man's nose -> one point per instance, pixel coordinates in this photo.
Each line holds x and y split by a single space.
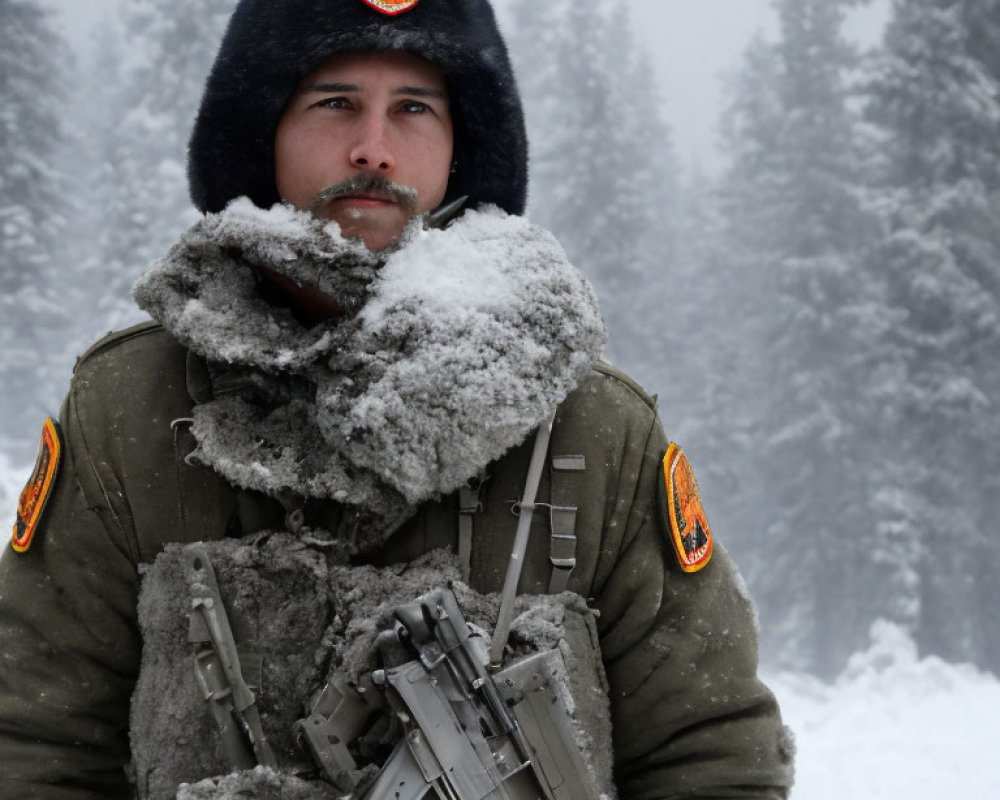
371 150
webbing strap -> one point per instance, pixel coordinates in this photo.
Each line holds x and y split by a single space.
470 502
218 668
564 475
465 543
516 562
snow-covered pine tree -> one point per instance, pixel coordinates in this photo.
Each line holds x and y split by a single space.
33 305
638 273
602 158
710 392
710 365
935 93
140 186
748 196
798 229
721 259
93 161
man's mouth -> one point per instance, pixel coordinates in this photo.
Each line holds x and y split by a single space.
364 199
368 191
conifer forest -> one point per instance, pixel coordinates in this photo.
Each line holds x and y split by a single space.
817 317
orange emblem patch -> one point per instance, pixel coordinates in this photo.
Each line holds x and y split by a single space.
35 495
689 531
391 7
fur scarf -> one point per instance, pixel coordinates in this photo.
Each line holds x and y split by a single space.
456 346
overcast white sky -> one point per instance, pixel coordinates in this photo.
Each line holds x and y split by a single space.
694 42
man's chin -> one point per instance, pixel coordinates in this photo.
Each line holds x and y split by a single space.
375 241
376 238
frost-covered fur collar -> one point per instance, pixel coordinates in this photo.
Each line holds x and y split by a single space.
455 349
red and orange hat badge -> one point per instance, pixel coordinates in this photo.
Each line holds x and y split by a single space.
687 523
391 7
37 491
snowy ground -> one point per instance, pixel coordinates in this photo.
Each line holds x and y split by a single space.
892 727
895 727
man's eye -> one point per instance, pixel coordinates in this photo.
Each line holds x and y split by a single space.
333 102
415 107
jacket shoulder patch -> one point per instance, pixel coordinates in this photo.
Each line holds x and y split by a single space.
391 7
35 495
687 524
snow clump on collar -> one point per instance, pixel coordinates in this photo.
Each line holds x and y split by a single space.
465 340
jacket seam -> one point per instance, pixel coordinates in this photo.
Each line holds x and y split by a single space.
117 338
133 546
614 374
643 517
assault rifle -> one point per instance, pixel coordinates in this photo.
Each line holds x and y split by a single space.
470 731
468 734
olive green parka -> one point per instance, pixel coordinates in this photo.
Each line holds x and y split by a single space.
690 717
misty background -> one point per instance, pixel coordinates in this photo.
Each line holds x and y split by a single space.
789 210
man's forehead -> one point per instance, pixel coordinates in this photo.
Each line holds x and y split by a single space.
357 69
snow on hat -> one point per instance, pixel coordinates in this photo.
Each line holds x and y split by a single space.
270 45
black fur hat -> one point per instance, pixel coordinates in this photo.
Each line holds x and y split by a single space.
271 45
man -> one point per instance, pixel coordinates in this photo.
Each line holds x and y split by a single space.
367 114
351 381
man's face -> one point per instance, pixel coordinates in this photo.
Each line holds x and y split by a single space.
358 123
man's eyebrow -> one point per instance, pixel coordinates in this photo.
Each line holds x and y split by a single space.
413 91
422 91
332 87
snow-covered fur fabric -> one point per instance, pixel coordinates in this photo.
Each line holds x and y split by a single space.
299 618
261 783
271 46
459 344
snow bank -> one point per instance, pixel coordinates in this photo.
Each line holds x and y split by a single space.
893 726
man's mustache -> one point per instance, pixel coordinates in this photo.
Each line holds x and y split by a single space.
406 196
